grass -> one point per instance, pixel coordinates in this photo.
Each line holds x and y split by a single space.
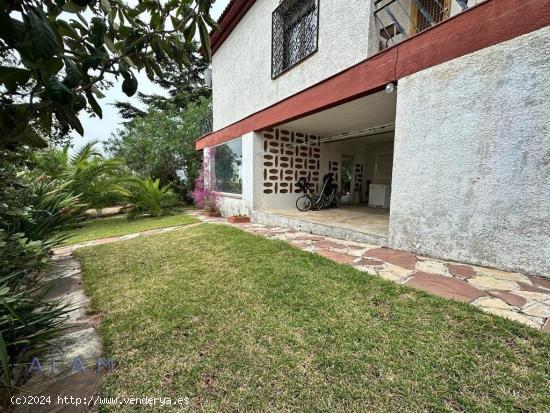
119 225
237 322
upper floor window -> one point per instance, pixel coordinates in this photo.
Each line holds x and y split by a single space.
294 33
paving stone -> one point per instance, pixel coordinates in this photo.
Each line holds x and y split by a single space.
368 261
328 245
512 315
309 238
492 302
391 276
546 326
130 236
502 275
356 253
541 282
104 240
401 258
512 299
461 271
432 267
355 246
537 310
336 256
445 286
402 272
533 288
367 268
490 283
532 295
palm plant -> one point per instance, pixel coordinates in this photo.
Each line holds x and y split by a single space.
149 198
98 180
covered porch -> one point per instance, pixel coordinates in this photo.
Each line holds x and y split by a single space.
348 222
354 143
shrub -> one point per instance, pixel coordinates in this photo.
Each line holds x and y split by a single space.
149 198
31 216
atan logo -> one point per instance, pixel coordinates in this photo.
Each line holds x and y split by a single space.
76 366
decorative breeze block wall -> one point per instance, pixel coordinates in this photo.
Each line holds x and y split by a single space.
358 177
289 156
334 167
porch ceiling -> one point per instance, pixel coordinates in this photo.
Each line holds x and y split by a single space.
364 113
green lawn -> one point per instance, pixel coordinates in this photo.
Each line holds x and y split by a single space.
237 322
119 225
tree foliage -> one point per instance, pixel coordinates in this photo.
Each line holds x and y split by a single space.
161 145
184 85
57 55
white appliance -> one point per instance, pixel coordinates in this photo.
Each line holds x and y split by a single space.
379 195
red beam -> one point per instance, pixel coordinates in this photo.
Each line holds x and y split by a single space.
484 25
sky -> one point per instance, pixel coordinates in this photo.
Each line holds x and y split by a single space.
101 129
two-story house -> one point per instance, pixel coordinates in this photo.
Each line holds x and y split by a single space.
433 116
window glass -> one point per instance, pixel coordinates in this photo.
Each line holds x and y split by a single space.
227 167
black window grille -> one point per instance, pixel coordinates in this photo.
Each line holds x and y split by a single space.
295 33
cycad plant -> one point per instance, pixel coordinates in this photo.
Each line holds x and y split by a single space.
149 198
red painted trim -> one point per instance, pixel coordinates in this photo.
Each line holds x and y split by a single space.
484 25
231 16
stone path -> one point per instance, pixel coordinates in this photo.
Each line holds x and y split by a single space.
519 297
80 340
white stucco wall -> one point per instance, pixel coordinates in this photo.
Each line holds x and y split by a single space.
471 178
242 83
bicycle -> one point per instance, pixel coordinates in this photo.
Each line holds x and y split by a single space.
307 201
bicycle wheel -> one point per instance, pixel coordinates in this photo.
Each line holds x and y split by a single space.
303 203
318 202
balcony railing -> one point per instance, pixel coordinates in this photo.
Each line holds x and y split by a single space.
400 19
206 125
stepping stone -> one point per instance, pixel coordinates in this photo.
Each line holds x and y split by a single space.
328 245
390 276
368 261
529 287
103 240
502 275
541 282
431 267
445 286
546 326
537 310
461 271
400 258
509 298
309 238
512 315
491 283
492 302
337 256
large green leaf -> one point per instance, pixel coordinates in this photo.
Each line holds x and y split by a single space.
73 75
42 37
57 91
93 103
5 379
12 77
